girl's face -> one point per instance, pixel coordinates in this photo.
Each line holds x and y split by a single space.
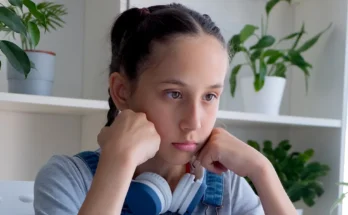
179 91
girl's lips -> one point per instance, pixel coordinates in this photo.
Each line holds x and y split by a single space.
187 146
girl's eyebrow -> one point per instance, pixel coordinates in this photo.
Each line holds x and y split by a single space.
183 84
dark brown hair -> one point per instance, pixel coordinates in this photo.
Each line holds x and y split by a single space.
135 29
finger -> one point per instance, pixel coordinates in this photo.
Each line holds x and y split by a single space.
205 159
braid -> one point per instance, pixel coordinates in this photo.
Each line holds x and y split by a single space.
113 111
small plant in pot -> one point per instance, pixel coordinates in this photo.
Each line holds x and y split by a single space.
29 71
299 176
263 91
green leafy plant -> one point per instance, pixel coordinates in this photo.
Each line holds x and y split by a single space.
299 176
264 57
27 20
340 199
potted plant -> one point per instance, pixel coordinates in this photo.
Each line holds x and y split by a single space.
29 71
263 91
299 177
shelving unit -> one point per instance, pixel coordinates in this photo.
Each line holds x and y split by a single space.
70 120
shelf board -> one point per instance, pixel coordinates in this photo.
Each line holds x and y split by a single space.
50 104
238 118
60 105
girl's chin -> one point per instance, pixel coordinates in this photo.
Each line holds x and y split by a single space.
177 158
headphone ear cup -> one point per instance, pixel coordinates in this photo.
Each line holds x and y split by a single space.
178 193
193 197
196 199
160 186
194 193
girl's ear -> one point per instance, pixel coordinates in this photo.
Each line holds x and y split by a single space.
119 90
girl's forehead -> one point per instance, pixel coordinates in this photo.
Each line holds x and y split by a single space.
188 55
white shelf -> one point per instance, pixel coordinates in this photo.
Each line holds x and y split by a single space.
50 104
231 117
59 105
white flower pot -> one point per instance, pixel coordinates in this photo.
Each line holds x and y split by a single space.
267 100
299 211
39 80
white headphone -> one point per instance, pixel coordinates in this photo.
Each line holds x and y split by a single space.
150 193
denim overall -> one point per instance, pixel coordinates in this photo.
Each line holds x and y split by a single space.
212 198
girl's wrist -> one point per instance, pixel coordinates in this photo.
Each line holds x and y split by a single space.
261 169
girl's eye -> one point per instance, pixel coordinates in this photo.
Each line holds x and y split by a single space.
174 94
210 97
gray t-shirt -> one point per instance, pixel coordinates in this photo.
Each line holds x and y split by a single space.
62 185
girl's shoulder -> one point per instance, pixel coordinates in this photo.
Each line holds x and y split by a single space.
63 167
61 185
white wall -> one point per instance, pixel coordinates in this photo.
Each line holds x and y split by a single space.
99 19
44 135
325 96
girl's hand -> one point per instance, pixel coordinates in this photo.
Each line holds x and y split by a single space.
224 151
131 136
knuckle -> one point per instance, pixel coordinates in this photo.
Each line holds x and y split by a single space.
219 130
142 115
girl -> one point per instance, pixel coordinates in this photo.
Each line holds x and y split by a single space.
166 76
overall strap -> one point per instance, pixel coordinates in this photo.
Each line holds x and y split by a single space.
215 187
90 158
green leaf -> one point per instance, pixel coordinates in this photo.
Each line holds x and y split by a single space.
317 187
295 191
307 155
270 4
12 20
270 52
234 45
314 170
33 10
280 70
273 58
17 3
300 34
308 44
284 144
264 42
256 54
233 78
34 33
290 36
16 56
246 32
308 197
260 77
337 202
296 59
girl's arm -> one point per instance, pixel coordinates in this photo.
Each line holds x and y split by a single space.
109 187
224 151
127 143
270 190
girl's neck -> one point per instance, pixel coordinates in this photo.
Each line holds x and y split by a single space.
171 173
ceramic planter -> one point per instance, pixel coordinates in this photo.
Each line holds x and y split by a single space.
267 100
39 80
